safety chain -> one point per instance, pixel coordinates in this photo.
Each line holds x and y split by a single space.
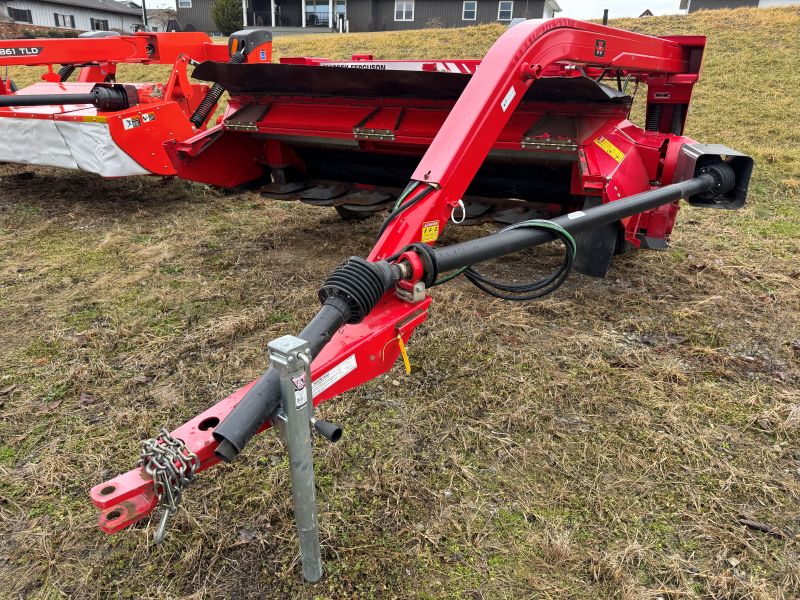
172 466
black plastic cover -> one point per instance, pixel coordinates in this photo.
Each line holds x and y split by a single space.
248 39
694 157
303 80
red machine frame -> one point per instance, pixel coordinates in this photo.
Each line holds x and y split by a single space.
97 52
481 120
162 111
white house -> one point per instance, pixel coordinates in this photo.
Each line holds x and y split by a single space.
83 15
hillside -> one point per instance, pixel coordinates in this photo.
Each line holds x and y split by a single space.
602 443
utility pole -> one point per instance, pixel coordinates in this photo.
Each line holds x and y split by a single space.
144 15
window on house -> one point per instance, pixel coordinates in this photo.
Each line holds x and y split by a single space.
19 15
505 10
184 3
470 12
404 10
64 20
317 14
98 24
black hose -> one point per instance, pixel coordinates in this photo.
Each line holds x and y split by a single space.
533 289
405 206
522 291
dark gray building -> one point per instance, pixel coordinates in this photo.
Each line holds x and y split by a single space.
368 15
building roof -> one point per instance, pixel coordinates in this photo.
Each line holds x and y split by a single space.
100 5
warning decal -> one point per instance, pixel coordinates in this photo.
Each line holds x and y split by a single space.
325 381
131 122
508 98
430 231
147 117
610 149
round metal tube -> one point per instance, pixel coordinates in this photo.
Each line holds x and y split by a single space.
486 248
286 357
47 99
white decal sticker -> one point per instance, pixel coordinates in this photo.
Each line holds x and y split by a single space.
576 215
300 399
147 117
335 374
509 97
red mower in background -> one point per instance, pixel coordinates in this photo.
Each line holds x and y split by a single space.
535 135
95 124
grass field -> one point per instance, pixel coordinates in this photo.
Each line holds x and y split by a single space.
601 443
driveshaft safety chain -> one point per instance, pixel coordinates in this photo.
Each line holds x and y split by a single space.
172 466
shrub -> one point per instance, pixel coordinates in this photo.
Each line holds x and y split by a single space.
227 14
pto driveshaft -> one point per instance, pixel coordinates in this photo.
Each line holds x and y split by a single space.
356 287
104 98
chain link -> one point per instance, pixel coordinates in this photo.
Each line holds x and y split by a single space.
172 466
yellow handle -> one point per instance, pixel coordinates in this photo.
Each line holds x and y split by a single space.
404 354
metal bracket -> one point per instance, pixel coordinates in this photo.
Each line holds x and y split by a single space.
413 295
367 133
291 356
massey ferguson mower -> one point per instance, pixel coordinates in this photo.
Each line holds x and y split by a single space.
97 125
537 128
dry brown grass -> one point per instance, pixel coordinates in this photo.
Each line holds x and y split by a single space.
601 443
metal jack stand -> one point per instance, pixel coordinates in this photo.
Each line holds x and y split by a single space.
292 358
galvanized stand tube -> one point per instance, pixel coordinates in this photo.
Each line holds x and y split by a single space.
290 356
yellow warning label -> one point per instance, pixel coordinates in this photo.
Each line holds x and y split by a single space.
430 231
94 119
610 149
